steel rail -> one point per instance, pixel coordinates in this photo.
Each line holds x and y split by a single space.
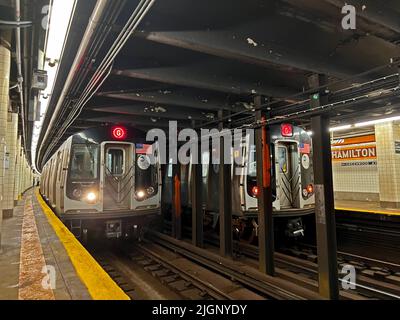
206 286
249 277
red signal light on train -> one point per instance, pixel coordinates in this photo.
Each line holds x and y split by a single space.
286 130
255 191
119 133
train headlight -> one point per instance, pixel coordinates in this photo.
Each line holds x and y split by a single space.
140 194
91 197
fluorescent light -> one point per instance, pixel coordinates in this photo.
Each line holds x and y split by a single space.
340 128
364 124
60 15
373 122
59 20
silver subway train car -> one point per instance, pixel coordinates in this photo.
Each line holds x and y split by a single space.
292 181
101 181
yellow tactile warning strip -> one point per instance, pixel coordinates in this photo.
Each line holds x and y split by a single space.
388 213
32 273
97 281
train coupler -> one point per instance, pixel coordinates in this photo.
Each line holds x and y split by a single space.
295 228
113 229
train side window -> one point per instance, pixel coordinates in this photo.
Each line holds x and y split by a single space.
59 165
115 161
252 164
252 161
282 159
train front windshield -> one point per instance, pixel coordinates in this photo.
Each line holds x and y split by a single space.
83 173
252 171
84 162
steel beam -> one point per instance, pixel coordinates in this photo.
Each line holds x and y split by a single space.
337 55
324 198
229 44
265 210
196 196
384 13
175 98
148 110
225 198
197 76
143 122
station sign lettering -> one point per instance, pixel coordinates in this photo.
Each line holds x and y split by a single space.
354 149
397 147
354 153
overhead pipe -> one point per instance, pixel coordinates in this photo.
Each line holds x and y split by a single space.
94 21
136 17
19 67
131 25
14 24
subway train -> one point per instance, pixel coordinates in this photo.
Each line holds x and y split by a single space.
292 183
102 182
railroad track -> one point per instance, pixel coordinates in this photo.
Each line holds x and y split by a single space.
368 234
122 280
185 278
198 274
249 277
375 279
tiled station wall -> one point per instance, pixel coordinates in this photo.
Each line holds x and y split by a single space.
375 178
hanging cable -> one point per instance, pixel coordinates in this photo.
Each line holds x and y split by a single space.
103 70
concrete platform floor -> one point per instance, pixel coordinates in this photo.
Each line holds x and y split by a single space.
34 264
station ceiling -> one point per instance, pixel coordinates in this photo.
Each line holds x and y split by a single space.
188 59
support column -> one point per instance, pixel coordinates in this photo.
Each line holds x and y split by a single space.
24 173
196 195
9 164
388 160
5 60
17 171
265 210
225 198
176 202
324 198
21 170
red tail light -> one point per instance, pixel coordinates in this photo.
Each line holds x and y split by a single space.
255 191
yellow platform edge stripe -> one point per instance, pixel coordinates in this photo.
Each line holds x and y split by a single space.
97 281
388 213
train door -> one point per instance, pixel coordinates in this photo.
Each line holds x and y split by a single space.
57 176
64 170
50 182
288 178
118 175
